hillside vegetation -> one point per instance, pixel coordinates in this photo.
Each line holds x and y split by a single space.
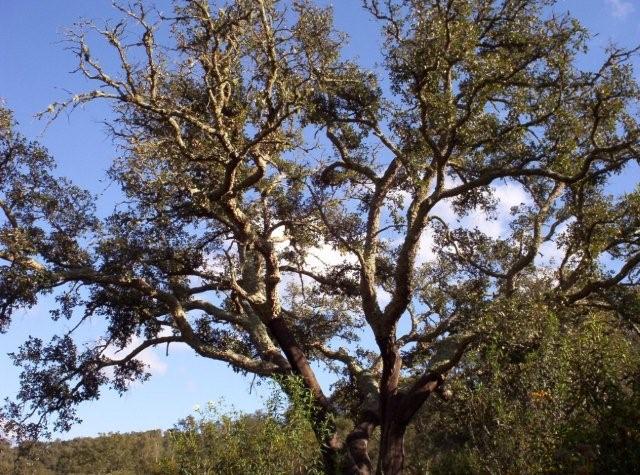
551 398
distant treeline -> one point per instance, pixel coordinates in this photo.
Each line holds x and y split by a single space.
133 453
212 443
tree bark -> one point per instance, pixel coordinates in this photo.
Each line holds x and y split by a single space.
392 425
391 456
358 446
392 452
399 411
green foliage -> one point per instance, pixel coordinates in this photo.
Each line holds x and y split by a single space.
113 454
556 395
278 441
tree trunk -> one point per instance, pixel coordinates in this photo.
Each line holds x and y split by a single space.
400 409
393 425
391 456
358 446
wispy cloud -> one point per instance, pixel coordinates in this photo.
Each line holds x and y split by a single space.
151 359
507 196
620 8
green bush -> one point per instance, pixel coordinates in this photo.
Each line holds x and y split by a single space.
557 397
220 441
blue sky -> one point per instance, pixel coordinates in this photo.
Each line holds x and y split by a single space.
35 71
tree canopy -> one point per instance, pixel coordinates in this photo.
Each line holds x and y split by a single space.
287 209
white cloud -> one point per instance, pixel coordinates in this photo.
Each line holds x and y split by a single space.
324 256
149 356
507 195
177 346
620 8
425 248
552 252
489 225
153 362
384 297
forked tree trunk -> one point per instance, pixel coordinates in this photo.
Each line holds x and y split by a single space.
399 412
393 424
395 411
391 453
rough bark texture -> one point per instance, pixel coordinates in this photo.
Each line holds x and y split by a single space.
391 459
357 444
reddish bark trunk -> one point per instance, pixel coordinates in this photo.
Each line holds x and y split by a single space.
391 461
391 455
393 428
